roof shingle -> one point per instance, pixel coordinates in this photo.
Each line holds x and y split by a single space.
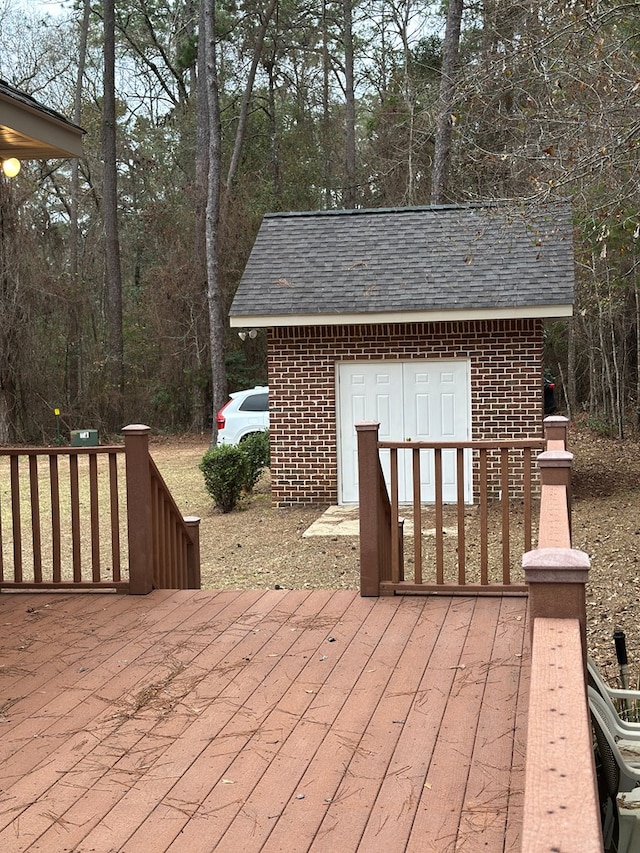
408 260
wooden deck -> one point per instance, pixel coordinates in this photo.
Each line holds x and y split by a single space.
261 721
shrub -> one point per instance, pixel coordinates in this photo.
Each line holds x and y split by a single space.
255 446
226 470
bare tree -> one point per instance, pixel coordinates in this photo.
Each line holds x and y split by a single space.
244 107
442 155
113 273
74 359
350 107
217 325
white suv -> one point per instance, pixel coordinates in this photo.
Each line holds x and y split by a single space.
246 412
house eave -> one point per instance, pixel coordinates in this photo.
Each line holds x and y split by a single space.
452 315
27 132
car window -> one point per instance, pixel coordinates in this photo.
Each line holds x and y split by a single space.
255 403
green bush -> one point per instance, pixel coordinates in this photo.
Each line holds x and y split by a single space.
226 471
255 446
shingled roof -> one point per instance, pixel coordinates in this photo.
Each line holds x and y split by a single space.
408 264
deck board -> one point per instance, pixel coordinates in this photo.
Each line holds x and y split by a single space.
261 721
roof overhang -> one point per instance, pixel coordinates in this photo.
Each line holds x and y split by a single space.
29 131
544 312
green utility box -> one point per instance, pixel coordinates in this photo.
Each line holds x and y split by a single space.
84 438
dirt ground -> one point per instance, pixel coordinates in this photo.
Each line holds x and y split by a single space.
258 546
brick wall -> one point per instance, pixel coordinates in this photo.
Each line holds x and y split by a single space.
506 388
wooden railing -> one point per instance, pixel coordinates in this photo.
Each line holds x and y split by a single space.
561 810
72 518
452 541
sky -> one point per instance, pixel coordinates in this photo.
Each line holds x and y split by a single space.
51 7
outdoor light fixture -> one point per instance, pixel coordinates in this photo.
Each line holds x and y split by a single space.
11 167
252 333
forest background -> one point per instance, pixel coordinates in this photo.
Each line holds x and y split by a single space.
297 105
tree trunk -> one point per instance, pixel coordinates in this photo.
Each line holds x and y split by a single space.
244 108
115 415
326 114
74 354
350 195
442 154
217 325
9 306
272 118
199 396
572 397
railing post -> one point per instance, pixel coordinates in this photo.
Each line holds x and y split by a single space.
368 494
556 428
193 555
139 523
555 470
557 578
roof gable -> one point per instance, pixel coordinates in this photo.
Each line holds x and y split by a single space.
312 267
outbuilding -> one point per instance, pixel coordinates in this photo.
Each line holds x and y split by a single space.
429 320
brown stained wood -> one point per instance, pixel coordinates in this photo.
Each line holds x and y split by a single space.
36 535
487 444
56 540
395 549
504 487
228 720
94 519
171 535
208 741
1 545
460 516
492 589
484 520
438 815
114 509
169 552
75 518
324 778
104 699
437 464
486 801
452 566
375 512
183 564
561 807
156 537
554 529
376 699
381 806
84 586
417 517
138 467
16 518
528 510
176 550
60 451
512 840
159 567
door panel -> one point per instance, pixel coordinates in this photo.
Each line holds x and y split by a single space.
417 400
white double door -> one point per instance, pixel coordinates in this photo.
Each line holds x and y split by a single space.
416 400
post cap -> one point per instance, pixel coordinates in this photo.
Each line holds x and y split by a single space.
556 565
136 429
555 459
